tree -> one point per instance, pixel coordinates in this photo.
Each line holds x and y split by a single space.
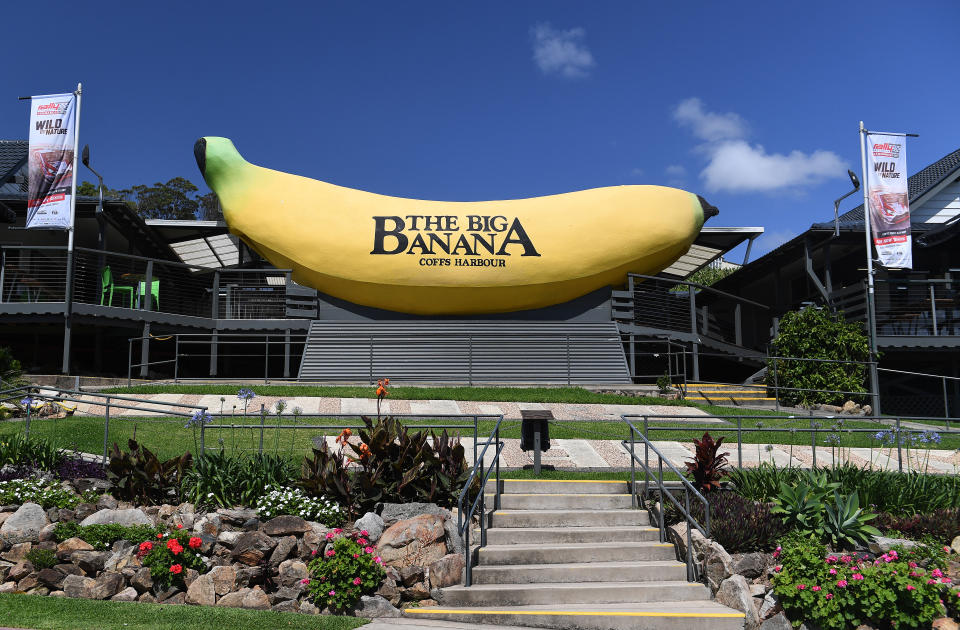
815 333
210 207
173 200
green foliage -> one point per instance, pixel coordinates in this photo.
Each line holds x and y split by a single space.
11 372
707 468
800 507
710 275
222 480
170 555
739 524
42 558
814 333
175 199
846 524
46 495
102 537
341 575
20 450
942 525
664 383
277 500
841 593
138 475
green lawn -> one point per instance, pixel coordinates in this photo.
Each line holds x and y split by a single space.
52 613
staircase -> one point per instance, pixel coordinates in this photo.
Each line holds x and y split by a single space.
724 394
574 554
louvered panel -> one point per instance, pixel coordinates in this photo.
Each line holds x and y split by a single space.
465 351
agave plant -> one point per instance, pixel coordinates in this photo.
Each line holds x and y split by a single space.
707 467
845 523
801 507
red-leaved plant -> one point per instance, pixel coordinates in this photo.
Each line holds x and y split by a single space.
707 467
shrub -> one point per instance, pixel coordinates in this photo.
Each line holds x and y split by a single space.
71 467
278 500
139 475
11 372
222 480
841 593
102 537
169 555
342 574
20 450
45 494
739 524
42 558
814 333
707 468
943 525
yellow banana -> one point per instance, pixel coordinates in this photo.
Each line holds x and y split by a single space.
441 257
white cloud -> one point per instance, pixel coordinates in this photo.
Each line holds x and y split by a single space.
735 165
709 126
561 52
675 170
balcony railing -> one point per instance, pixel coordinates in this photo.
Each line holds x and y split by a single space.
905 307
125 281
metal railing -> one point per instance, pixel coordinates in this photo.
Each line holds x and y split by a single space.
664 492
931 395
906 307
31 274
646 366
464 516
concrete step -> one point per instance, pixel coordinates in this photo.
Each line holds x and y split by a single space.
560 486
645 616
643 571
556 535
493 555
542 501
492 595
569 518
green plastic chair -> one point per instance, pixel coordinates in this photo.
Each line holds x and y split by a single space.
107 288
154 292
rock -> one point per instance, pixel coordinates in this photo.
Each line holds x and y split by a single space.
778 622
284 593
234 599
90 561
307 608
373 525
867 410
850 407
78 587
188 521
428 602
69 568
67 547
8 587
202 592
955 545
393 512
308 544
770 604
121 559
250 525
128 517
735 593
678 536
17 552
106 502
237 516
224 579
107 585
418 591
128 594
289 605
248 576
252 547
228 539
414 541
389 591
751 565
446 571
453 538
57 594
24 525
47 534
881 544
291 572
142 581
375 606
256 599
51 578
177 599
147 598
28 583
165 511
282 551
209 524
719 564
411 575
945 623
20 570
285 525
758 590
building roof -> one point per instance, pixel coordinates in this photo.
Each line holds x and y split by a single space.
918 184
13 153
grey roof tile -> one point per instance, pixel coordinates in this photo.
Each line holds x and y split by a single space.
12 153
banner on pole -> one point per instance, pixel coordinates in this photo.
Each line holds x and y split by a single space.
889 199
52 127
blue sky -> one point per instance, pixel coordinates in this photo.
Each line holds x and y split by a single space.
753 105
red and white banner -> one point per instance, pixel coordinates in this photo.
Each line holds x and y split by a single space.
53 121
889 199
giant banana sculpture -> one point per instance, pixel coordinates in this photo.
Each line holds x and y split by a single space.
441 257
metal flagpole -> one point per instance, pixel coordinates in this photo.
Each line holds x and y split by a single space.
871 308
68 297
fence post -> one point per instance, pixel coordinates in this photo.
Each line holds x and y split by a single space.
695 347
263 418
933 310
203 446
286 353
129 363
470 360
176 357
266 360
737 326
568 359
776 385
739 442
29 410
633 471
106 430
646 457
946 405
899 447
813 441
371 361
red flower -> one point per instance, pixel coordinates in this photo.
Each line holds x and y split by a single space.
179 525
174 546
146 546
176 569
159 535
195 542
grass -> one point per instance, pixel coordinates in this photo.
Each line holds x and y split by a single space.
52 613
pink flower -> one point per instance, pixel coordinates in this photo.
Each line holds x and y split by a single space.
911 587
857 576
331 553
361 541
936 573
945 580
378 560
179 525
841 583
777 569
946 549
329 535
356 581
364 533
893 554
815 588
833 571
368 549
931 581
831 559
914 574
846 559
337 530
305 581
829 596
313 553
800 587
912 565
356 555
331 593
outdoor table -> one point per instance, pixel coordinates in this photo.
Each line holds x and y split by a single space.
27 281
141 280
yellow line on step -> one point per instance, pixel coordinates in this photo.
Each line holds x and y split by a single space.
561 494
571 613
564 480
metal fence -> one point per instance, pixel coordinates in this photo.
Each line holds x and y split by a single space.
906 307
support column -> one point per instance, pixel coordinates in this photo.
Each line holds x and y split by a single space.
145 349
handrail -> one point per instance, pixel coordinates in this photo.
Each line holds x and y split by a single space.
464 523
663 491
702 287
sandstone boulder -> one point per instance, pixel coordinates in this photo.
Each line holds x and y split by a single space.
127 517
415 541
24 525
